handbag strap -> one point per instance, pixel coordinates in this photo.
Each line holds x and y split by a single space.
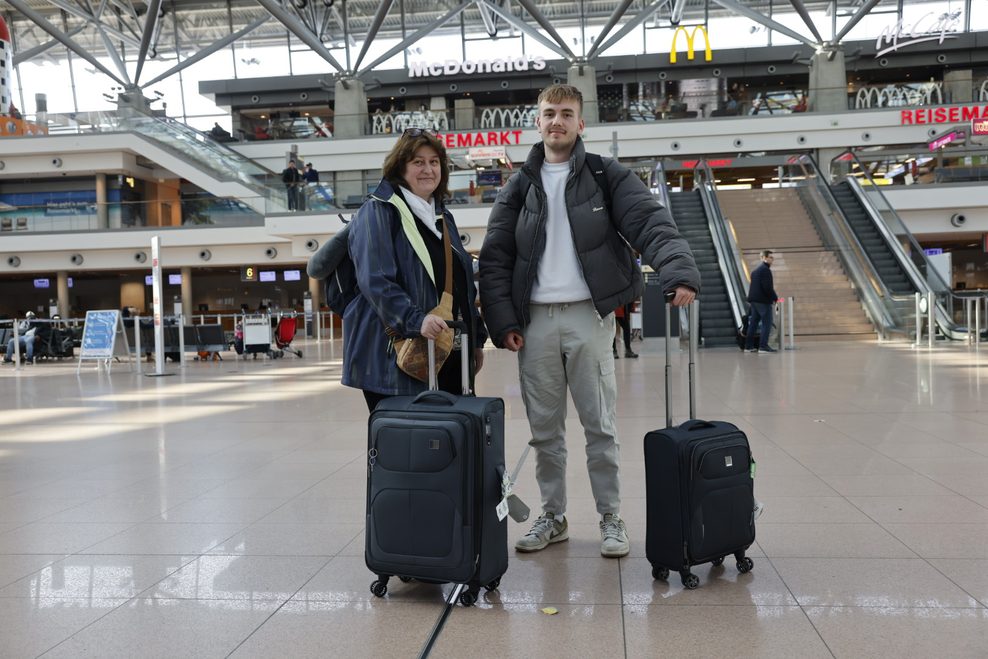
448 248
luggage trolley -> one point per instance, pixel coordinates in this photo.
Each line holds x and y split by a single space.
257 334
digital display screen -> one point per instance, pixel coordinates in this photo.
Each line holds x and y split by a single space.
148 280
175 280
293 275
42 283
489 177
268 275
70 282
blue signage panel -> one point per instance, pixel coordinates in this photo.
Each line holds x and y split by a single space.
99 334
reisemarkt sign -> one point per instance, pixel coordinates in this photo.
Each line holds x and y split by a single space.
468 67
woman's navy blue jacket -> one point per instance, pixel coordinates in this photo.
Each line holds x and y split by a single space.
395 291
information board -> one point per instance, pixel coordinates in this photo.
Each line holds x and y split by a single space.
99 335
103 337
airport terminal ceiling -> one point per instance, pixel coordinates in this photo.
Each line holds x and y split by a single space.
184 25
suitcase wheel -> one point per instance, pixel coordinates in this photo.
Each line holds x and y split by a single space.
717 562
690 580
660 573
469 597
745 564
406 579
379 587
493 585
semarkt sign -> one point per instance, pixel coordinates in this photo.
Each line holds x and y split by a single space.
690 39
952 115
481 139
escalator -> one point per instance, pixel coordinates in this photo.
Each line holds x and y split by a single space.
874 244
717 320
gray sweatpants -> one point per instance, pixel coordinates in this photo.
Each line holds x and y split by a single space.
570 345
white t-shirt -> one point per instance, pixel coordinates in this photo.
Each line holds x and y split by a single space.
559 278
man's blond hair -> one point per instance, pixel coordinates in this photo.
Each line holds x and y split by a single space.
559 93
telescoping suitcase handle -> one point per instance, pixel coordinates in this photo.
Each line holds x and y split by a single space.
464 363
694 324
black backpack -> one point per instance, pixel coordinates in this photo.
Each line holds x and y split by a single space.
333 263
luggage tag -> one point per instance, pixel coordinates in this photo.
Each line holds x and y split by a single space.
510 504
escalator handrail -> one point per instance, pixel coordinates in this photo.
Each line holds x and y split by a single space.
728 253
851 252
943 316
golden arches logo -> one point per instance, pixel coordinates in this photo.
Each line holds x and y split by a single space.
690 38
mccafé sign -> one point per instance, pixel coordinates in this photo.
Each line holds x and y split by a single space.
690 39
943 115
481 138
452 67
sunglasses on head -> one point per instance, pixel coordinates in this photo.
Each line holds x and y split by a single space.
415 132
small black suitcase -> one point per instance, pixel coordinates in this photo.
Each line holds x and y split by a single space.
434 481
699 489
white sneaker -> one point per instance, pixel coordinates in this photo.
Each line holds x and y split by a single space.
613 537
545 531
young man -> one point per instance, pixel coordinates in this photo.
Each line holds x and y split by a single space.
553 268
761 295
291 177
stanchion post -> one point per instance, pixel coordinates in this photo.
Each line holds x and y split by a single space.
137 343
318 317
332 327
792 327
931 319
781 306
181 340
977 321
967 318
17 345
919 320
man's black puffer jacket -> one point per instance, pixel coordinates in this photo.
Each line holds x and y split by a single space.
516 238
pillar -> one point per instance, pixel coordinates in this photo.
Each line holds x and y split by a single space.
64 308
584 78
350 184
828 82
464 112
187 308
315 291
102 210
350 109
958 86
132 293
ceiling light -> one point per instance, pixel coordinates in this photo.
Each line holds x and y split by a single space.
746 180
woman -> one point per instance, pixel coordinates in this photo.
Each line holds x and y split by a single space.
397 250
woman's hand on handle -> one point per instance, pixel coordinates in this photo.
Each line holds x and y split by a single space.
432 326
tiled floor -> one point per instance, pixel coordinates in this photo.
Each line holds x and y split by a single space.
219 512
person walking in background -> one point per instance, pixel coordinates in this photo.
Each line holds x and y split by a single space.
310 181
291 177
553 267
623 317
762 296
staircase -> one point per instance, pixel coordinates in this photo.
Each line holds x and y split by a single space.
826 306
717 325
881 256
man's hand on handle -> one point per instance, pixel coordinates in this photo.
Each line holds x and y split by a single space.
680 297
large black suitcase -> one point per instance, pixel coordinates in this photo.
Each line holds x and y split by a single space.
699 482
435 478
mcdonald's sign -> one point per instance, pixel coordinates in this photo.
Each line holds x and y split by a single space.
690 38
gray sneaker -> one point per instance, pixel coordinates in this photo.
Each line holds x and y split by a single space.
613 537
545 531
